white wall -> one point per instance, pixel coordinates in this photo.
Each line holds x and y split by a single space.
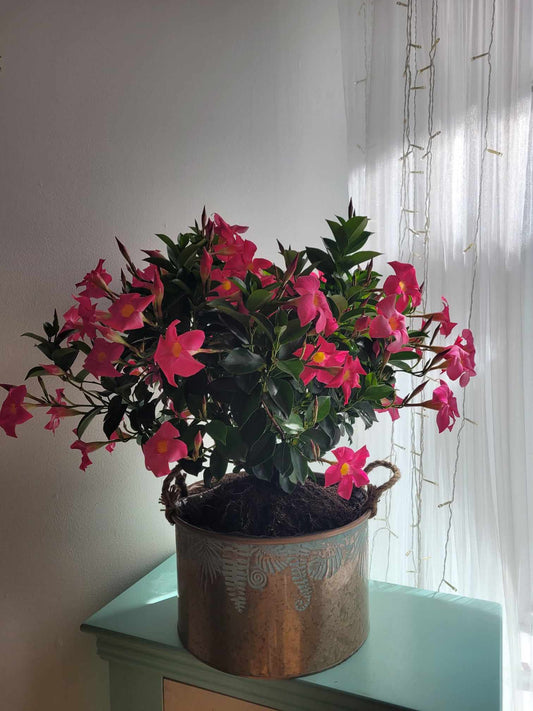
122 117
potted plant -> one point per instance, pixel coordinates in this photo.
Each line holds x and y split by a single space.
221 364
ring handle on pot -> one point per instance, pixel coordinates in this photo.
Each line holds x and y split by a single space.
374 492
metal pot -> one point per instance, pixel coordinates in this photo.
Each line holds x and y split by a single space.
273 607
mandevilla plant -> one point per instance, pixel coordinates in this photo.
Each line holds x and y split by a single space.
210 356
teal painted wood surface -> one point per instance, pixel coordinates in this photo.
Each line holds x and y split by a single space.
425 651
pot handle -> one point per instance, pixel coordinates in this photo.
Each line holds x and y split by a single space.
374 492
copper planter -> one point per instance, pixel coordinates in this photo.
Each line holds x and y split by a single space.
273 607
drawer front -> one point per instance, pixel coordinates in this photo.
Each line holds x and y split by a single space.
183 697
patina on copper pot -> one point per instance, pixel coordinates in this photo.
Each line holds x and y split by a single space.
273 607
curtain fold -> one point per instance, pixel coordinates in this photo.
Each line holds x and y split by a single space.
438 106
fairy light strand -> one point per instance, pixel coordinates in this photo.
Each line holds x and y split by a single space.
475 250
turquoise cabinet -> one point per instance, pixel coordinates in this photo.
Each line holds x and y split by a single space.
426 651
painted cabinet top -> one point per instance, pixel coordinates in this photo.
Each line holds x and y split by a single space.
426 651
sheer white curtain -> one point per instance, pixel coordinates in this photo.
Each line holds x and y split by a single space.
438 104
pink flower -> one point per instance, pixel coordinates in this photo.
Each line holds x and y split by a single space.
319 359
162 449
150 279
404 283
95 282
446 326
226 231
361 325
347 377
391 407
59 410
85 448
174 354
311 303
389 323
12 412
100 360
125 314
348 471
206 264
81 319
459 358
444 401
112 443
243 261
226 287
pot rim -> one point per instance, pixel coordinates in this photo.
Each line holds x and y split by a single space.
273 540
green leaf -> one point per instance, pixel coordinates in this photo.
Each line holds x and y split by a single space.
300 466
286 484
324 407
282 458
255 426
321 259
378 392
358 258
115 412
243 408
241 360
264 471
167 240
86 420
293 331
257 299
217 430
293 425
292 367
80 377
34 372
218 464
64 357
282 394
264 325
41 339
340 302
261 449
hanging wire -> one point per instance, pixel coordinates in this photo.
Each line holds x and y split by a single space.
475 249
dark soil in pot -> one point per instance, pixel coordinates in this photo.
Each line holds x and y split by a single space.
248 506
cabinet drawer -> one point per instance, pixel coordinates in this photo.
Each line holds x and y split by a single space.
183 697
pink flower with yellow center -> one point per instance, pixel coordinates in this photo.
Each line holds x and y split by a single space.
125 314
174 354
225 288
13 412
347 377
59 410
389 323
95 282
348 471
162 449
312 303
404 283
100 360
319 360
